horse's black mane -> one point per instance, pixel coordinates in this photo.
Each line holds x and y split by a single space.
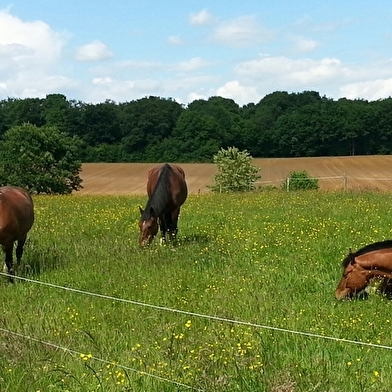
366 249
161 195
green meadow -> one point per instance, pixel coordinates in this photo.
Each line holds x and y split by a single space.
243 301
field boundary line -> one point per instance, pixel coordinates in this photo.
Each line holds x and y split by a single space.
373 178
330 178
70 351
205 316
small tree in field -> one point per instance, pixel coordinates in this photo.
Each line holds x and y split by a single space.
40 159
236 172
300 181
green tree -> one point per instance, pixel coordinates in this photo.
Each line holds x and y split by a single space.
100 124
40 159
195 138
19 111
146 124
226 115
56 111
236 172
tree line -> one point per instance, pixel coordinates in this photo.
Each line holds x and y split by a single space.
154 129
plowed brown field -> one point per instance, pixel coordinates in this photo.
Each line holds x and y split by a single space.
334 173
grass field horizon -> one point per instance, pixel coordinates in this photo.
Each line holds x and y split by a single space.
262 267
371 172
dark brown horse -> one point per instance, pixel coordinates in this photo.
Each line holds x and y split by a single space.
167 191
367 263
16 219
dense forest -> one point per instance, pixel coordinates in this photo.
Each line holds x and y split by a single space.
155 129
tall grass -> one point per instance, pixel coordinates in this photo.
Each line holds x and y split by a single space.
269 259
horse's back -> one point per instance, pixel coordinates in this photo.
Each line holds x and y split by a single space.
16 213
152 179
180 189
178 186
380 259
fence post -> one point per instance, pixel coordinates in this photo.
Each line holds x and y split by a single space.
288 184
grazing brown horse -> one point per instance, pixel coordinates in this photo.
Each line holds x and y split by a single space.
167 191
360 267
16 219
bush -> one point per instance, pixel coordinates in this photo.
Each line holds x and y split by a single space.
236 172
40 159
300 181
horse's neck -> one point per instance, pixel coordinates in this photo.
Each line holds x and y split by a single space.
376 261
157 203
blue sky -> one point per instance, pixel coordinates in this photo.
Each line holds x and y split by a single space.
124 50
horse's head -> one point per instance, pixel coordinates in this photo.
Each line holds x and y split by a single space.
354 279
148 225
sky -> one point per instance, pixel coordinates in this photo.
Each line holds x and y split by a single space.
124 50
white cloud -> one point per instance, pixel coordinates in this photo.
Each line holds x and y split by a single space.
202 17
29 57
26 85
175 40
93 51
329 76
190 65
102 80
371 89
239 93
303 45
195 96
291 72
244 31
127 66
123 90
28 41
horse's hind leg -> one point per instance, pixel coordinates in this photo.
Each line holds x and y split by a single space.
8 249
169 224
173 223
19 249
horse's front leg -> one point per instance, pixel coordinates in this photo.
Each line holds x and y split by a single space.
169 224
163 227
174 223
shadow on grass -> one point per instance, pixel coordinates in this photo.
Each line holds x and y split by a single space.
38 258
192 239
181 241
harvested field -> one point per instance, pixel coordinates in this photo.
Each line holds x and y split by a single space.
334 173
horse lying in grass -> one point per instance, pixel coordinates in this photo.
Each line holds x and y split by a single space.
16 219
362 266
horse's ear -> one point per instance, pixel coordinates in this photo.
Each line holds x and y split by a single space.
141 210
352 256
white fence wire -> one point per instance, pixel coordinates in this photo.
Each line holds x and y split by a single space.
201 315
343 182
172 310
